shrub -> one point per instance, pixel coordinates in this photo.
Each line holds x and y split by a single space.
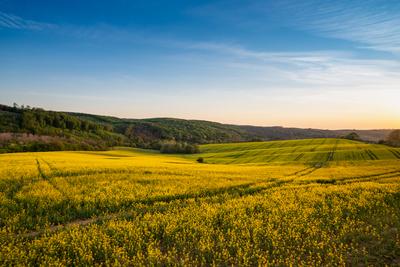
352 136
200 160
394 138
172 147
326 181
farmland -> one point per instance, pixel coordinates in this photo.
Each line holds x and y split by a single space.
303 202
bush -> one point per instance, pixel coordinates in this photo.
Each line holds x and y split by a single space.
352 136
394 138
35 143
200 160
326 181
172 147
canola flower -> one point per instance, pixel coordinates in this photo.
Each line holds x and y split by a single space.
133 207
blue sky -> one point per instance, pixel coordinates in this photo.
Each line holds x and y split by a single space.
325 64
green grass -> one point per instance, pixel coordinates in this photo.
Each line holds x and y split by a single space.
309 151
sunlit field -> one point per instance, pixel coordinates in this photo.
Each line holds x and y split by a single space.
307 202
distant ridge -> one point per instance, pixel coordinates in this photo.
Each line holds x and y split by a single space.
263 133
34 129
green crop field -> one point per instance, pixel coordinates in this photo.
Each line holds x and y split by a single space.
311 151
304 202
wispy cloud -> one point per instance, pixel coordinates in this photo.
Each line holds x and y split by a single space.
286 74
374 23
15 22
268 70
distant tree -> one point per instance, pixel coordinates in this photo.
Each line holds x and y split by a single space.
352 136
71 124
28 122
129 131
394 138
84 126
173 147
256 139
55 131
108 128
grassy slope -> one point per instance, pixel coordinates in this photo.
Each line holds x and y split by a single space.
312 151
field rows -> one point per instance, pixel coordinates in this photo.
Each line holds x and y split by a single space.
129 206
304 151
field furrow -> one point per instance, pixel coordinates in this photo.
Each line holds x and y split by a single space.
324 202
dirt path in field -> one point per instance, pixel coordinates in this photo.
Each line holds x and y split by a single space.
47 177
369 178
395 153
317 165
40 171
234 191
57 227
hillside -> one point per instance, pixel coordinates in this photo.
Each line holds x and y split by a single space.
193 131
26 129
34 129
368 135
315 152
234 133
283 133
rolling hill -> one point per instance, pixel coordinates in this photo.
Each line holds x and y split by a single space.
315 152
35 129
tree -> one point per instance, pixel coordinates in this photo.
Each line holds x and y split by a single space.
352 136
394 138
172 147
28 122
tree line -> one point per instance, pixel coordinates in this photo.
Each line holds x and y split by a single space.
74 131
393 139
23 128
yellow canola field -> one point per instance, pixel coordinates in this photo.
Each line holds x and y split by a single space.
136 207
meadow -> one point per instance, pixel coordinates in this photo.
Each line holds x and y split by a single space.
306 202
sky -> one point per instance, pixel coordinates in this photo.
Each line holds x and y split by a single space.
311 63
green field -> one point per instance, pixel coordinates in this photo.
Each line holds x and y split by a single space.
311 151
306 202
